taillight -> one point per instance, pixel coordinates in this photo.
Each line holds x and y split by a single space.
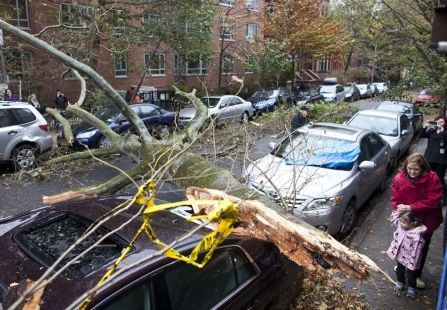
44 127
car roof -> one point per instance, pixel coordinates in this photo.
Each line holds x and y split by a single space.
393 102
218 97
380 113
7 104
334 130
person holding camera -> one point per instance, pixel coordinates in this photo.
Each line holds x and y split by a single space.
436 152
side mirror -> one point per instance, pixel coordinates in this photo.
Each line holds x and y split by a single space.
223 105
404 132
272 145
367 165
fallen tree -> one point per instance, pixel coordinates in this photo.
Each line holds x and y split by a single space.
170 159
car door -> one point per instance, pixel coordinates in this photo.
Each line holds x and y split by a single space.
224 112
237 108
221 283
10 133
150 116
340 93
405 124
372 148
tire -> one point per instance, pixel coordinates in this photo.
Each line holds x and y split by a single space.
24 157
348 219
103 142
245 118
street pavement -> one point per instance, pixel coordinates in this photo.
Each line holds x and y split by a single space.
373 239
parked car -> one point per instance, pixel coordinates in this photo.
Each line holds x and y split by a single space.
394 127
332 92
309 96
324 173
352 93
222 109
374 90
268 100
365 90
411 110
382 87
24 135
427 96
242 273
160 123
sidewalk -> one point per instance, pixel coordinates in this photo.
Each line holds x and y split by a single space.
373 239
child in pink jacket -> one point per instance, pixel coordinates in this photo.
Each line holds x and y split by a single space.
406 249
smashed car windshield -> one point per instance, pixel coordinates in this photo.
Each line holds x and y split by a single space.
320 151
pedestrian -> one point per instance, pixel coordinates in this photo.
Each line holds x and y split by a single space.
32 100
300 119
436 151
9 96
406 250
61 101
417 189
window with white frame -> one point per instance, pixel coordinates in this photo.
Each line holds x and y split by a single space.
251 31
252 5
16 12
323 65
120 64
227 28
227 64
74 15
197 67
119 21
227 2
152 19
155 63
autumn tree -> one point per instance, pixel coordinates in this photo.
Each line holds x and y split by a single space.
304 30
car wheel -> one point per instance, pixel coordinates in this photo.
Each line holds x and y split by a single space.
245 118
348 219
161 132
24 157
103 142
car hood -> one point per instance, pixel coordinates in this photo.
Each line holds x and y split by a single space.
315 182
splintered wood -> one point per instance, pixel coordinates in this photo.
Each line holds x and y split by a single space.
303 244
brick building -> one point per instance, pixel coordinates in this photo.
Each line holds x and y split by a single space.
236 23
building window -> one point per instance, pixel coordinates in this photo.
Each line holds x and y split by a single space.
323 65
227 65
248 65
252 5
152 20
251 31
16 12
155 63
197 67
17 61
120 65
227 29
227 2
119 21
73 15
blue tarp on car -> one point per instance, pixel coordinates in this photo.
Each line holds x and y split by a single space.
442 293
334 154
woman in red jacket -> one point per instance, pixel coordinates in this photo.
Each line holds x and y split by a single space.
416 188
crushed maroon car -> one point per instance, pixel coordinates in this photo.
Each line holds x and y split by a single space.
243 272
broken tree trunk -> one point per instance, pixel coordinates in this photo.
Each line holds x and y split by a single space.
303 244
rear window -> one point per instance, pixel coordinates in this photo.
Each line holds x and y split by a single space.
47 239
23 116
426 92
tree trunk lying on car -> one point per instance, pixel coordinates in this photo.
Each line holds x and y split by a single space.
170 159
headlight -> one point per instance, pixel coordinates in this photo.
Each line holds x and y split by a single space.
85 135
323 203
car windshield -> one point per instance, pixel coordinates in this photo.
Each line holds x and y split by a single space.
211 102
396 108
426 92
361 87
107 114
382 125
319 151
348 89
265 94
327 89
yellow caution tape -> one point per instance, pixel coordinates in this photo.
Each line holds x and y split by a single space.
224 213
